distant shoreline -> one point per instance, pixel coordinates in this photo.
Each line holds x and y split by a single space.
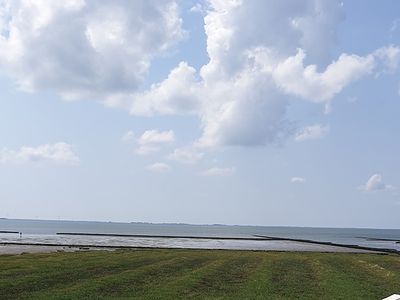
197 224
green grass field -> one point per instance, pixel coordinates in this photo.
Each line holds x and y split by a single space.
201 274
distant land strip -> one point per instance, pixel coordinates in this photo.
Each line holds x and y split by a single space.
166 236
330 244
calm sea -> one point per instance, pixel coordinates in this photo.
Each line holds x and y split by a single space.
40 231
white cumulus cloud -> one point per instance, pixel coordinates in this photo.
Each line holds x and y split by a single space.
104 50
152 140
62 153
85 48
219 172
197 8
305 81
311 132
155 136
297 180
390 57
375 183
186 155
158 167
241 94
177 94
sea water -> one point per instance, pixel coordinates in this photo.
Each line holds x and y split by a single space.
44 231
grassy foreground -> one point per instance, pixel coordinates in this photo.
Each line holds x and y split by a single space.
201 274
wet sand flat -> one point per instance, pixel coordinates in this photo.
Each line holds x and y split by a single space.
19 249
284 246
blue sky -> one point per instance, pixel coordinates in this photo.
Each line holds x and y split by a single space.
235 112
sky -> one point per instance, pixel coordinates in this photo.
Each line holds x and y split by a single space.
277 113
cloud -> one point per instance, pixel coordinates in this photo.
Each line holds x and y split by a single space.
219 172
177 94
151 141
297 180
244 110
389 57
186 155
244 104
158 167
313 132
61 153
395 26
103 50
294 78
128 137
156 137
85 48
241 94
328 108
375 183
197 8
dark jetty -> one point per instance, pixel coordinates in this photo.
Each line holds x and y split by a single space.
7 231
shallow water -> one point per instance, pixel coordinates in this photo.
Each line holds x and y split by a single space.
38 231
